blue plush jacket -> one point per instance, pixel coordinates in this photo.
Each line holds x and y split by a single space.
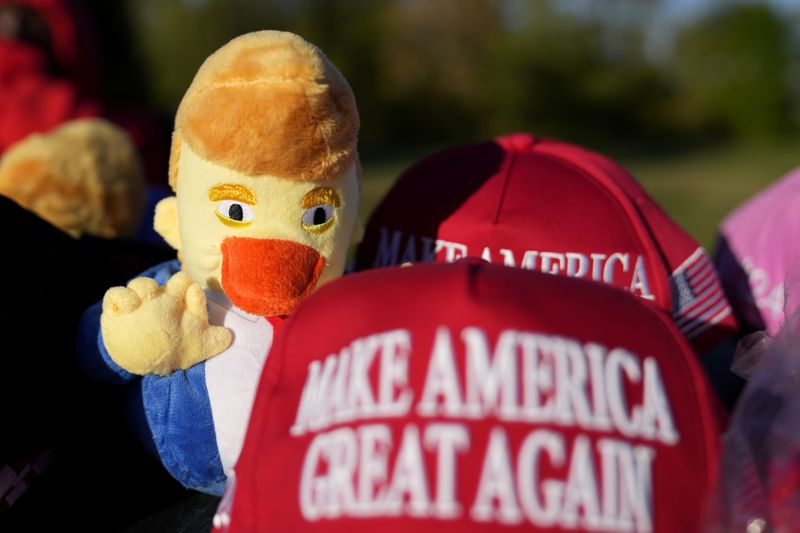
170 414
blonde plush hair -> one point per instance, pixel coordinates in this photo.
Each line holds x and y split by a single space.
269 103
84 177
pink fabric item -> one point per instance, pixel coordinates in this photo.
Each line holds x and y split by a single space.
758 256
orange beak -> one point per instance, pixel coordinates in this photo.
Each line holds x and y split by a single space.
268 277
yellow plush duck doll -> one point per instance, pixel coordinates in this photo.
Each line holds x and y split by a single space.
265 170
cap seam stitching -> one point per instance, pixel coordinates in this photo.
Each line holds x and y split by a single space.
506 179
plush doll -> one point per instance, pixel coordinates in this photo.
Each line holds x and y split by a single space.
266 179
84 177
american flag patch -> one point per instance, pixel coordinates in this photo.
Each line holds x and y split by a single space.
697 298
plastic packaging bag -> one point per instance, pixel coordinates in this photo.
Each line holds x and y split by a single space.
758 489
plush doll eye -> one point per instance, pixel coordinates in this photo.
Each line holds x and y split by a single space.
318 218
233 211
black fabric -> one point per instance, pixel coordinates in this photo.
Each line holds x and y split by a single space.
101 480
191 514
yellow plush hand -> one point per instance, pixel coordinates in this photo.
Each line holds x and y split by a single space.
149 329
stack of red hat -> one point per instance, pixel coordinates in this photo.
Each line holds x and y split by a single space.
495 397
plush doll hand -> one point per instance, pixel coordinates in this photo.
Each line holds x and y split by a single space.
173 319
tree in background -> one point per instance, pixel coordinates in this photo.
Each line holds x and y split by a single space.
445 71
433 58
574 76
731 73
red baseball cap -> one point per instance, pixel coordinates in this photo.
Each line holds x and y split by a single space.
491 397
549 206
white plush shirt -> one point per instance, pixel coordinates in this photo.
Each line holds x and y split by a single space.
232 377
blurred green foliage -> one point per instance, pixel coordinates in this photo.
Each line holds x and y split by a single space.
702 105
449 70
731 69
